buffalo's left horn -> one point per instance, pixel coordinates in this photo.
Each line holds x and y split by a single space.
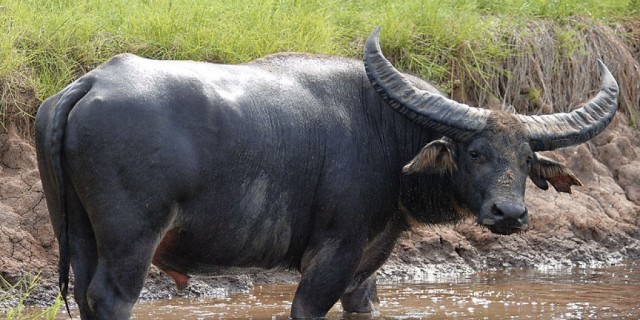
558 130
450 118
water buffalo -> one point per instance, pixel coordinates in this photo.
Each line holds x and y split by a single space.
292 161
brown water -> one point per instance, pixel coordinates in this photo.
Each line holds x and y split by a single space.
572 293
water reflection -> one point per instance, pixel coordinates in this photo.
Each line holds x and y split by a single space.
575 293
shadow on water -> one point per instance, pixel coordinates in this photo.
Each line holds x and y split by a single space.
572 293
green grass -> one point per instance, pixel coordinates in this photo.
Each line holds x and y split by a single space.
45 44
16 295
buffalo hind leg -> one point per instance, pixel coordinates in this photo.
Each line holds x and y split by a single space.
361 299
83 251
326 272
118 279
84 265
126 235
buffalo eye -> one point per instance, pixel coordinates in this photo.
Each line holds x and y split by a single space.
474 155
529 160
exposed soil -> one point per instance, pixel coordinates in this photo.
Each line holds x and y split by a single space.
598 224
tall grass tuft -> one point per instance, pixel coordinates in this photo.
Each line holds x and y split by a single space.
16 297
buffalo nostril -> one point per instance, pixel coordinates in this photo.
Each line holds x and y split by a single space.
496 211
509 210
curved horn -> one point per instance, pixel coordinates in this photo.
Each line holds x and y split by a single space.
548 132
447 117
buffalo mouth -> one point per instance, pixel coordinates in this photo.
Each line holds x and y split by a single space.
505 216
504 229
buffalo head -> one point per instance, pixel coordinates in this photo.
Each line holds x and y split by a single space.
489 154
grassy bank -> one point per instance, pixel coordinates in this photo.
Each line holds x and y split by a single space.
465 46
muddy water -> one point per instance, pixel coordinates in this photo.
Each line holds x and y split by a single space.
573 293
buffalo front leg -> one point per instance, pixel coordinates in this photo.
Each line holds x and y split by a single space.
327 270
362 298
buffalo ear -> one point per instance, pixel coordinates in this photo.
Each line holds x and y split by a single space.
560 177
435 156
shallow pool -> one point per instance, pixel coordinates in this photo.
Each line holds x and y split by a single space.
571 293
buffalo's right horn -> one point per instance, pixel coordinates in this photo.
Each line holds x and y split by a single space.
450 118
558 130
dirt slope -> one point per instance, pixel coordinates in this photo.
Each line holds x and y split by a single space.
26 238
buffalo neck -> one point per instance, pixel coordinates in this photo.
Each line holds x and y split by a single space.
423 197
